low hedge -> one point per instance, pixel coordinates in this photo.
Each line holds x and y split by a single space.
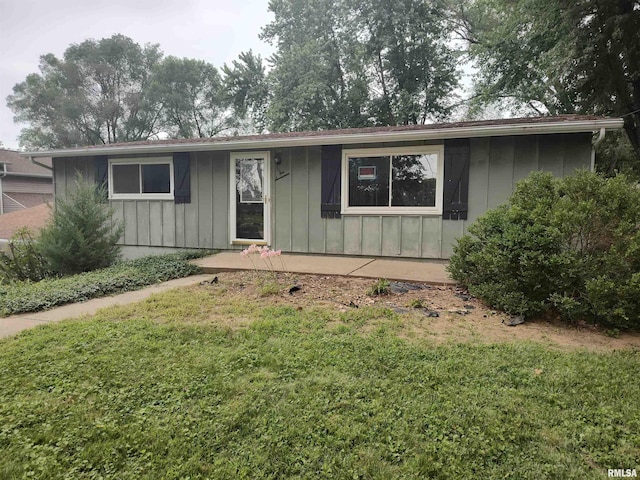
129 275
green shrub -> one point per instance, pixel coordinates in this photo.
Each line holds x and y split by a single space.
82 235
572 244
381 287
23 261
121 277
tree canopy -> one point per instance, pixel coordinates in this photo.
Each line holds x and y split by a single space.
558 56
114 90
348 64
97 93
339 63
247 90
193 99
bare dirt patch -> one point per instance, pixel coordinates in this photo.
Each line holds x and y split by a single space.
437 313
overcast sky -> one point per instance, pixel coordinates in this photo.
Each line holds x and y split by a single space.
212 30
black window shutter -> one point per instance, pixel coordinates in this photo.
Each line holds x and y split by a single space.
101 171
331 181
182 178
456 179
101 174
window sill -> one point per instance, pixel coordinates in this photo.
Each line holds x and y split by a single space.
143 196
248 242
417 211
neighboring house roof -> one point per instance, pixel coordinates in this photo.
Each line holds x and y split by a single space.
34 218
482 128
17 165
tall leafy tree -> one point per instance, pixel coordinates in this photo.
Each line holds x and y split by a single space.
413 68
558 56
607 60
341 63
521 51
194 103
247 89
318 80
95 94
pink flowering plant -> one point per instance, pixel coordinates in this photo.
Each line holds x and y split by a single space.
267 255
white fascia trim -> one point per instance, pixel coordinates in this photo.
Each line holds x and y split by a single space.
344 139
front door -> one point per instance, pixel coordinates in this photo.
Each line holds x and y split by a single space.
250 201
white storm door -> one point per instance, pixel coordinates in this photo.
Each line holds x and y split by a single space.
250 202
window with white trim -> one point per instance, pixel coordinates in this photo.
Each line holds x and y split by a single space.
141 178
403 180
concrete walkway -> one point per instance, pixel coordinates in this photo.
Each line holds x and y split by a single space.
16 323
414 270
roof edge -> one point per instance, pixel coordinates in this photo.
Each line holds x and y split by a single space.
33 175
579 126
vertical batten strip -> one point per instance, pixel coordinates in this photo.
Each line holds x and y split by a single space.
380 235
291 201
149 222
213 170
399 235
324 235
197 199
135 210
420 235
124 230
361 233
306 157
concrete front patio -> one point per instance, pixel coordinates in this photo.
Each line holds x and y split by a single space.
414 270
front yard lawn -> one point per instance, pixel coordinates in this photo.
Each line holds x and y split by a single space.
129 275
191 384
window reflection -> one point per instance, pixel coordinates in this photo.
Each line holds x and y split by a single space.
412 182
369 181
249 182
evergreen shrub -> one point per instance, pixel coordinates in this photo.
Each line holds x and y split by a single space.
82 234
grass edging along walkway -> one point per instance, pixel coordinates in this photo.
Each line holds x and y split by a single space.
125 276
167 388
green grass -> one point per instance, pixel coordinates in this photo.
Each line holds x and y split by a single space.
303 394
28 296
269 286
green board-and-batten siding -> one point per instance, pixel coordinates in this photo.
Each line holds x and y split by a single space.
496 164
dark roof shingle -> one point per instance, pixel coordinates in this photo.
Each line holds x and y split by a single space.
33 218
18 164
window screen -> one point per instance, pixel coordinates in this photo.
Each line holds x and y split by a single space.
156 178
126 178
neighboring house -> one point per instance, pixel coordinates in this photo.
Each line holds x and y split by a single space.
34 218
405 191
22 183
